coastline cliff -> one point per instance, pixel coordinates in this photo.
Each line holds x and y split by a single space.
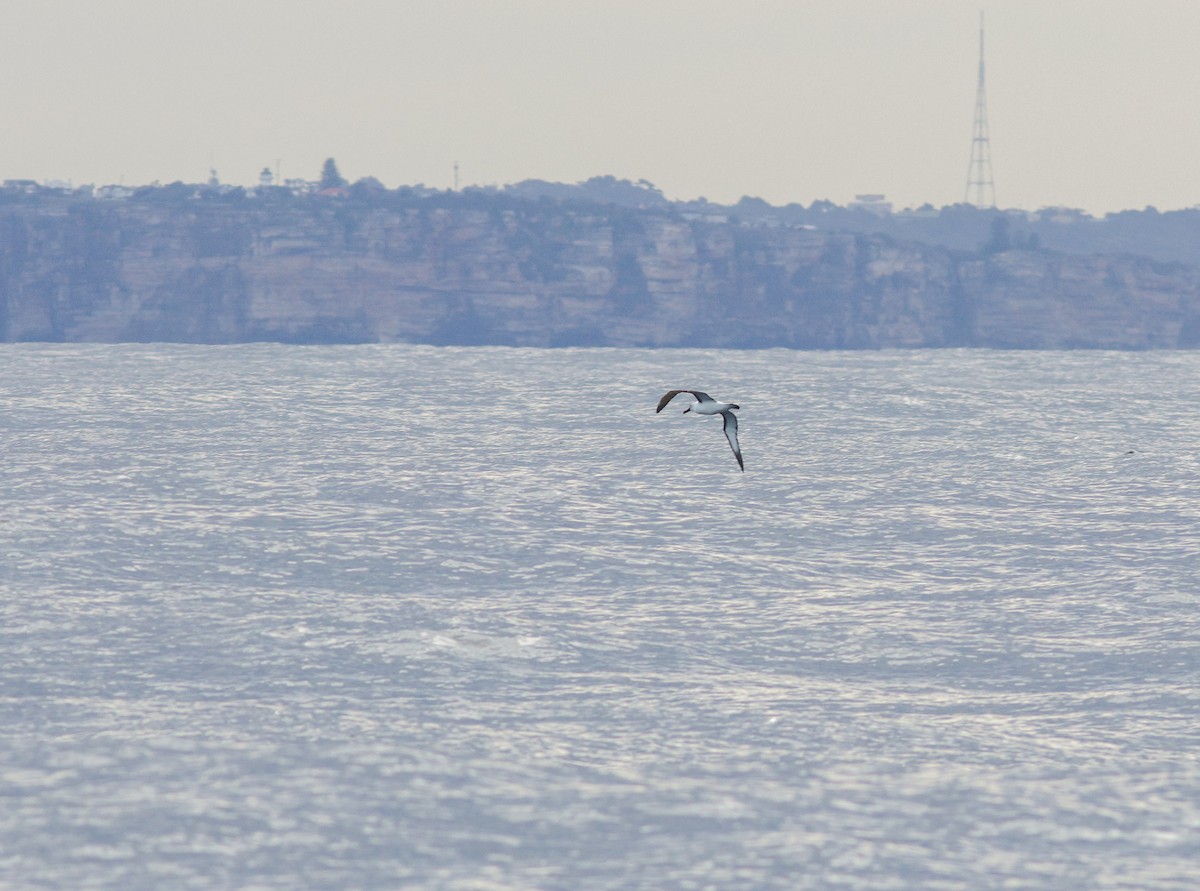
457 269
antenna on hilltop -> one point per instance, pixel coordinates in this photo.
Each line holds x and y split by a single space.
981 189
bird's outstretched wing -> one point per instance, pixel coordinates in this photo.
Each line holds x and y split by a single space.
671 394
667 397
731 435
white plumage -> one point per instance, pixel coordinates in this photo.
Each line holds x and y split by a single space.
706 405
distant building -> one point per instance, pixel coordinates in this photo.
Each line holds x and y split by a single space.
924 212
266 178
299 186
875 204
26 186
214 184
1061 215
113 193
705 216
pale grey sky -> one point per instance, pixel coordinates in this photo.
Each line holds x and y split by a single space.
1092 104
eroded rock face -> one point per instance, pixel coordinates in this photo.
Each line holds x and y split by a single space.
543 274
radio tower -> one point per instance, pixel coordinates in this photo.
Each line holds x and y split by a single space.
981 190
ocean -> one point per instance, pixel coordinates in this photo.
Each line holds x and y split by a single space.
391 617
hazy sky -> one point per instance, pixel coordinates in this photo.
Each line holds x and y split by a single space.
1092 104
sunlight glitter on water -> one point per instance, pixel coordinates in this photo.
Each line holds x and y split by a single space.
404 616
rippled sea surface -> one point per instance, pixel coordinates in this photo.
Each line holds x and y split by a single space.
404 617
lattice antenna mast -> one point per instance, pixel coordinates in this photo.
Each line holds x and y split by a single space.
981 190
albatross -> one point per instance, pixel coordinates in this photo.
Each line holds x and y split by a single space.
706 405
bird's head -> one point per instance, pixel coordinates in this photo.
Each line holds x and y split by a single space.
735 406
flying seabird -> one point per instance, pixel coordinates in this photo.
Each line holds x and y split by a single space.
706 405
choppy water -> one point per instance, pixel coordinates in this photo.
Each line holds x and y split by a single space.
398 617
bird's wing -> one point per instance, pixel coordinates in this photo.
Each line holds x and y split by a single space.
731 435
671 394
667 397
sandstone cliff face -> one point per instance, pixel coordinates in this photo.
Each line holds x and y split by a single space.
1056 301
543 274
